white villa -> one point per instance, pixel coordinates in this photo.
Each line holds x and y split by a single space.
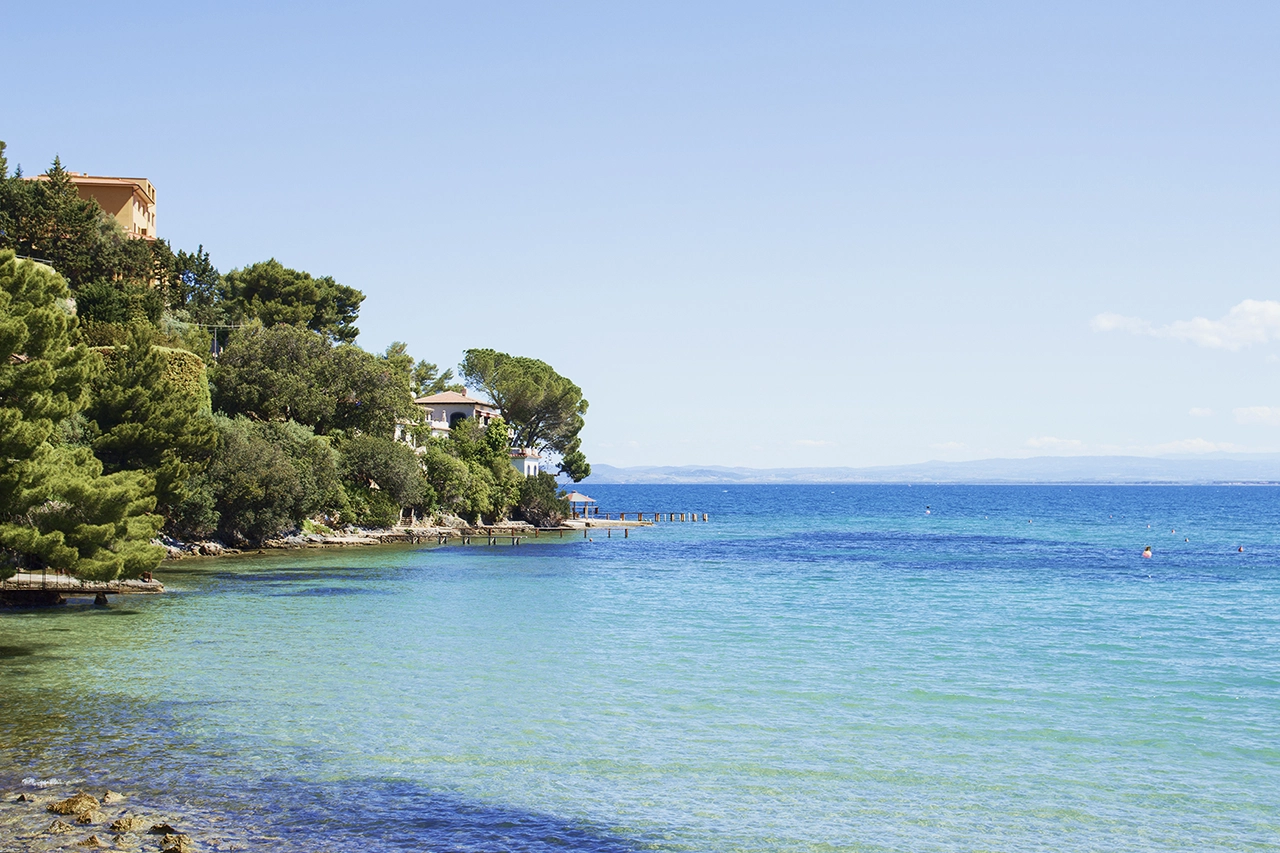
444 410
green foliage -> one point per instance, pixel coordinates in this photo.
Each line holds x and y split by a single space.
97 527
187 372
427 380
371 508
370 394
57 510
288 372
543 408
275 373
460 487
266 478
392 465
149 412
197 288
542 502
470 471
275 294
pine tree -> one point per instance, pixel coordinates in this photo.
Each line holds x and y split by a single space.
143 421
56 508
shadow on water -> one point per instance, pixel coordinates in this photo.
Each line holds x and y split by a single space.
17 651
325 591
395 815
202 783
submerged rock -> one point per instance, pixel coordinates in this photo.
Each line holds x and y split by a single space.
79 804
110 798
25 798
162 829
92 841
92 816
60 827
131 823
177 843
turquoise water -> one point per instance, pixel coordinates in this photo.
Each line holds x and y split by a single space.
817 669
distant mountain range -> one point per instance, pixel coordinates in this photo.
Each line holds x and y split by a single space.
1040 469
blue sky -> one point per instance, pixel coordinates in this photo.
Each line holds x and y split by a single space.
755 234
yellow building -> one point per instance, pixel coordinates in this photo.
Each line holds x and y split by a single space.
132 201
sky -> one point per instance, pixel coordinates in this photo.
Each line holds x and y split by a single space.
758 234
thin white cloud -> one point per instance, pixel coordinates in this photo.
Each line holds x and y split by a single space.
1251 322
810 442
1268 415
1196 445
1048 442
1049 445
1198 412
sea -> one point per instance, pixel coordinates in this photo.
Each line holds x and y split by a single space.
814 668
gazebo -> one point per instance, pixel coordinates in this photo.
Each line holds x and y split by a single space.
578 503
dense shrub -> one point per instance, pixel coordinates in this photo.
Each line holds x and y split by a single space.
542 502
266 478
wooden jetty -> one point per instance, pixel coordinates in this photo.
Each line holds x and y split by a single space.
37 588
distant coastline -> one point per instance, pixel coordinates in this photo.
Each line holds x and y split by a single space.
1097 470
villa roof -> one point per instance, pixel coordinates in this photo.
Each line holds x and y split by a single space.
446 398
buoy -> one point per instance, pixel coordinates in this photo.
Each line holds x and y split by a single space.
1240 549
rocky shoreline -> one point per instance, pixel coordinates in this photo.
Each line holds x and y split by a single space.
40 820
447 530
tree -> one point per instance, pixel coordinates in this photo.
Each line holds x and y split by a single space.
543 408
280 372
425 378
142 420
57 510
428 380
267 478
197 287
542 503
470 470
289 373
370 392
274 294
394 468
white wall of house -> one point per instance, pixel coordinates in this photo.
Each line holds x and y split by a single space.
527 462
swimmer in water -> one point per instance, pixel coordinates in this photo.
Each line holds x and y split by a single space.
1146 552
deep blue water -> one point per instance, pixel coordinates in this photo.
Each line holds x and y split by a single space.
816 668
